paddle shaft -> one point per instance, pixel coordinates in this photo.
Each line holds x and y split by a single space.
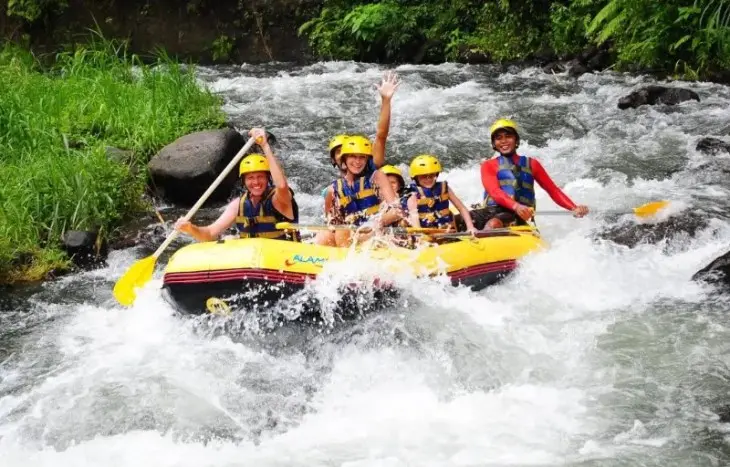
391 230
484 233
205 195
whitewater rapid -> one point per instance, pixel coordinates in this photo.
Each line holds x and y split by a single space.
592 353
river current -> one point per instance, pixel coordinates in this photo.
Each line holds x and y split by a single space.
591 354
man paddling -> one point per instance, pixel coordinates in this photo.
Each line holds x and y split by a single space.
508 179
266 200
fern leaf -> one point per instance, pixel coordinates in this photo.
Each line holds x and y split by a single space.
677 44
704 11
607 12
612 27
725 22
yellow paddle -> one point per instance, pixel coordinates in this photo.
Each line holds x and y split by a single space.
645 210
649 209
141 272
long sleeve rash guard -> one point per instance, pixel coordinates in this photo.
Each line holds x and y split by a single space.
491 184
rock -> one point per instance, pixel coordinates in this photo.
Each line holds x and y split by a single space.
473 56
589 60
554 67
712 145
184 169
81 246
577 69
723 414
653 94
544 55
600 61
632 234
717 272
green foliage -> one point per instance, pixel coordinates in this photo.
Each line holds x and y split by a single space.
31 10
400 30
507 31
568 24
55 125
689 35
365 32
662 34
222 48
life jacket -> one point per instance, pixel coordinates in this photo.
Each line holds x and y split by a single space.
433 205
260 221
516 180
404 195
356 203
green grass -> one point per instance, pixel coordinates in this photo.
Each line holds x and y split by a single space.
55 123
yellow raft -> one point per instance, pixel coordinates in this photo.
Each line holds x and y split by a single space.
276 269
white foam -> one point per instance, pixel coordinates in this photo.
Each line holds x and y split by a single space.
514 375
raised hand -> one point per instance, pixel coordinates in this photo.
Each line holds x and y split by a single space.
260 135
389 84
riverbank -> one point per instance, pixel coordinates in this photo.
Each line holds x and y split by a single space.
666 39
75 137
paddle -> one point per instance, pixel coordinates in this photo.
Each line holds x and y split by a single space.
141 272
645 210
485 233
391 230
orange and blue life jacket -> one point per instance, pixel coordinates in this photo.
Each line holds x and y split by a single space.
516 180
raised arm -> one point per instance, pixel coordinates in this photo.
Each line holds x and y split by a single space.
386 89
543 179
282 196
214 230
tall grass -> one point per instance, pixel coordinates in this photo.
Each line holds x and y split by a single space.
55 124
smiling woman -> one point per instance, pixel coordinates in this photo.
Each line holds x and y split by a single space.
57 126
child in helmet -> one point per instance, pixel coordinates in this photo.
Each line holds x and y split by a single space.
266 201
428 205
395 177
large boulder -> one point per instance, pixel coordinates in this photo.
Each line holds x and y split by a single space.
589 60
653 94
713 169
85 248
632 234
711 145
717 272
185 168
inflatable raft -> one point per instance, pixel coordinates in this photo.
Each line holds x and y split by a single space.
269 270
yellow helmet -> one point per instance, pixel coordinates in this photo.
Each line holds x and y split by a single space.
355 145
393 170
337 141
334 144
254 163
423 165
504 124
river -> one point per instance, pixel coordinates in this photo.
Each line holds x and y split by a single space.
591 354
